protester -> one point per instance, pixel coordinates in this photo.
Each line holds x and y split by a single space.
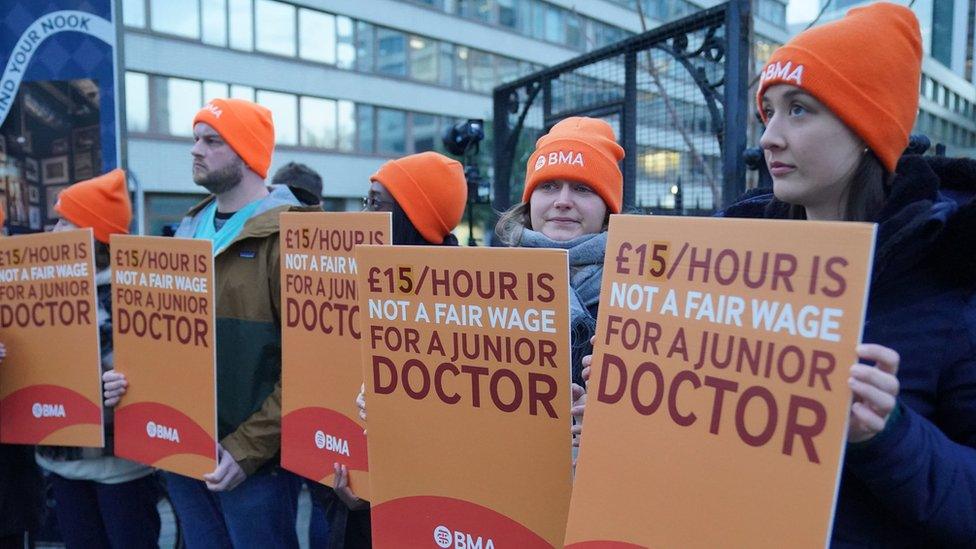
839 102
248 500
304 182
101 500
572 185
426 194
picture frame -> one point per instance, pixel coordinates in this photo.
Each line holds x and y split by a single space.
59 146
51 198
84 168
33 194
31 170
34 218
54 170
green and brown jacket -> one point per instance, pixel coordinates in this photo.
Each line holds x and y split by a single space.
248 333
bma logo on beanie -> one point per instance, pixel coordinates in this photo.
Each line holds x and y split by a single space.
784 72
553 158
214 109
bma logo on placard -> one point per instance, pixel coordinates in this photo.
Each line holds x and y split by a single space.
48 410
446 538
331 443
157 431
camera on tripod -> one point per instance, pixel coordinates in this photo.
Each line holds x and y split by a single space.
463 139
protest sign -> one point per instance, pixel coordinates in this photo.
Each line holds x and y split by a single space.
718 403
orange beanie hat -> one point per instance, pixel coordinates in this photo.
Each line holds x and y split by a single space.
431 190
247 127
101 203
579 149
865 68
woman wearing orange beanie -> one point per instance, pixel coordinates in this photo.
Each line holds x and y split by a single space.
426 193
572 185
838 102
102 500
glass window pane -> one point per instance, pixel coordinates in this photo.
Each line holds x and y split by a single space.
214 90
482 71
425 134
391 131
241 25
275 27
507 15
179 17
364 127
182 103
423 59
391 52
134 13
318 122
461 67
364 46
345 43
574 32
555 25
347 126
136 102
242 92
284 110
316 36
445 65
508 69
215 22
476 9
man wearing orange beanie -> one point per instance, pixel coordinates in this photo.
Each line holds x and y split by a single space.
248 500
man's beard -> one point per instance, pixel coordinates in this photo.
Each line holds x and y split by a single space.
222 180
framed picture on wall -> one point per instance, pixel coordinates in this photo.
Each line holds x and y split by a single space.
83 164
86 138
33 194
55 170
59 146
51 198
31 170
35 218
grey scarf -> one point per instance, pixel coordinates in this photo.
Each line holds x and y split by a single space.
585 266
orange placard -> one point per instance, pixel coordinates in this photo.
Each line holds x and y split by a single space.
467 365
718 403
50 382
163 305
321 355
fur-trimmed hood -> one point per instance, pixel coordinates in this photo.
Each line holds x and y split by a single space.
929 215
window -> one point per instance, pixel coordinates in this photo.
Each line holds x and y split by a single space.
347 125
364 127
214 90
555 25
345 43
134 13
476 9
136 102
275 27
179 17
445 64
482 71
215 22
508 69
423 59
507 16
461 67
241 25
317 36
391 52
183 100
318 122
364 46
425 133
391 131
242 92
284 106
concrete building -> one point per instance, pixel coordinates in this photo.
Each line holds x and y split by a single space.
351 83
947 103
